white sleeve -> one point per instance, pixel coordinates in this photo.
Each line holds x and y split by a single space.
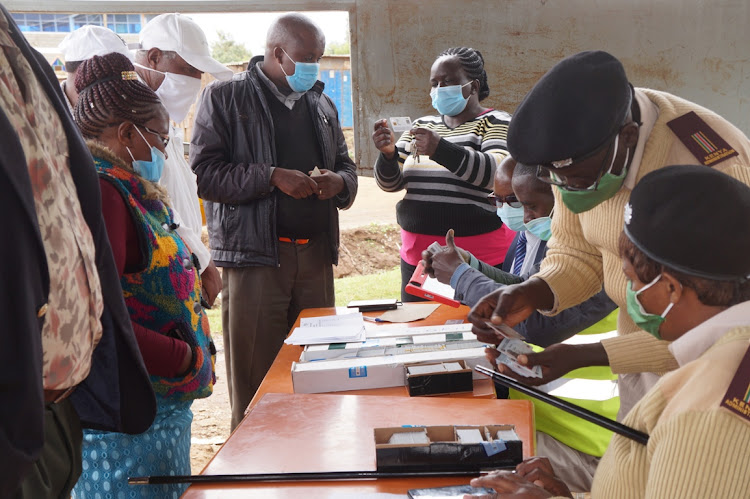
194 242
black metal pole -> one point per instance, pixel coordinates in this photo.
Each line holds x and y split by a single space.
591 417
293 477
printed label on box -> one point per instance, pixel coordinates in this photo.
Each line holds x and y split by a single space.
358 372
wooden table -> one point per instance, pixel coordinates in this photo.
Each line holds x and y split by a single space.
279 377
328 432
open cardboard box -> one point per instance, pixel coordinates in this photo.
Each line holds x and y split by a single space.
444 452
437 378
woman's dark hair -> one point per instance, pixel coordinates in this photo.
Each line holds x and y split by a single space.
709 291
110 93
473 63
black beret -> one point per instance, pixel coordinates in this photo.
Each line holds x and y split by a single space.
571 111
693 219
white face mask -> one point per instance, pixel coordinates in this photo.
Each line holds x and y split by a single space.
177 93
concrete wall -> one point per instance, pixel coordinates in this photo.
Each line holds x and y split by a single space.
696 49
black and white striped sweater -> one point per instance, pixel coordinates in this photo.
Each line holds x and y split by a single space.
448 190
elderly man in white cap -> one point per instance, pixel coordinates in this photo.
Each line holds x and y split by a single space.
84 43
173 54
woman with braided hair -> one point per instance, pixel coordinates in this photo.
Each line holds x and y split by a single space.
447 165
127 128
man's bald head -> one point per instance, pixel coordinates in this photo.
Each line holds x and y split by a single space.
504 177
292 38
293 29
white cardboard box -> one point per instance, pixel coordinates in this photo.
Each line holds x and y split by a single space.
363 373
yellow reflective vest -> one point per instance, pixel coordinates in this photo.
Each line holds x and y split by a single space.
594 388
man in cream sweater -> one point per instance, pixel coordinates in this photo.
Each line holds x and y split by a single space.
697 417
594 137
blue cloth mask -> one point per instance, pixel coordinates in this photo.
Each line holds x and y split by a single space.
541 227
512 217
304 77
149 170
449 101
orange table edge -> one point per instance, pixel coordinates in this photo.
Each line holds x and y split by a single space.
287 433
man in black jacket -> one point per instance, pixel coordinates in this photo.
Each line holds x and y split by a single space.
274 170
41 412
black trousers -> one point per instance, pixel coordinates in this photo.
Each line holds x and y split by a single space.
58 468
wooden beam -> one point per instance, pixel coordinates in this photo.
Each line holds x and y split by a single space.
160 6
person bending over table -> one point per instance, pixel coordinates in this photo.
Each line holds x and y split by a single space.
696 418
574 446
594 138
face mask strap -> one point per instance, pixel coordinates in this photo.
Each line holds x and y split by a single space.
614 154
144 138
290 58
666 310
148 68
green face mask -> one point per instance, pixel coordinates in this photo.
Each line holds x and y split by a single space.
609 184
648 322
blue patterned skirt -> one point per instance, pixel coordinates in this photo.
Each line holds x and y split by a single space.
110 458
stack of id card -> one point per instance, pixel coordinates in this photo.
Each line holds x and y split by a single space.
509 350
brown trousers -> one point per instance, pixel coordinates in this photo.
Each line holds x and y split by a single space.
260 305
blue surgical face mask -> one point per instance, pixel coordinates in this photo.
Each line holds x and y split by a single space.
149 170
512 217
541 227
305 75
449 101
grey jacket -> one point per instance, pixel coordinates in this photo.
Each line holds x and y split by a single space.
232 151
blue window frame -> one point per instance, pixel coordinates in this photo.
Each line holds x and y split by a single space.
33 22
81 20
124 23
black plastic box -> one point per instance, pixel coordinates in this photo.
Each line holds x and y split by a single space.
438 381
444 452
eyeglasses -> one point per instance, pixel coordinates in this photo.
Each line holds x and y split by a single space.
164 139
498 201
546 174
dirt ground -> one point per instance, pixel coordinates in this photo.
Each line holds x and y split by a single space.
364 250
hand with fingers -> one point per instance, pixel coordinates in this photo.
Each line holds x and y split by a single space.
556 361
508 484
328 184
294 183
509 305
426 140
441 264
538 470
384 139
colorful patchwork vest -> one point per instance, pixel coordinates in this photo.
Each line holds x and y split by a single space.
164 295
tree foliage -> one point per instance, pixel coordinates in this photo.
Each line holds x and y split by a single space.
227 50
338 48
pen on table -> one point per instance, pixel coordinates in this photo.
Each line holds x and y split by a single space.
373 319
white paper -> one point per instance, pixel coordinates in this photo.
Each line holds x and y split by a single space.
410 437
469 436
328 329
438 288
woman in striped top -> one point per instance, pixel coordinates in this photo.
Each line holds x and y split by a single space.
447 165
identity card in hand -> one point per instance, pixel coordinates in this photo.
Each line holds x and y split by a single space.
509 350
400 124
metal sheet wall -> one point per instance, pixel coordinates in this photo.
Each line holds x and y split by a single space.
697 49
